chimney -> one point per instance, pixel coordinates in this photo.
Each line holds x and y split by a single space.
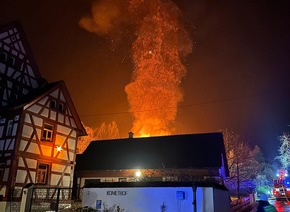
131 135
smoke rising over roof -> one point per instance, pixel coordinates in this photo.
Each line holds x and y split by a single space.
160 44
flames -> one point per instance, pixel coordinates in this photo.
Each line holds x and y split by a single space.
157 52
161 43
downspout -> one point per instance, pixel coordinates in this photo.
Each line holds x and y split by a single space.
194 198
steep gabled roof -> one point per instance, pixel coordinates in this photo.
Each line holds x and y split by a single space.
50 87
176 151
42 92
14 41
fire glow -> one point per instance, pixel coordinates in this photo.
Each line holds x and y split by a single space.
160 44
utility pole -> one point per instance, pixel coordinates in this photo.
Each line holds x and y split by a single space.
238 179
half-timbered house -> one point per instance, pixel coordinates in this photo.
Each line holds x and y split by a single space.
39 125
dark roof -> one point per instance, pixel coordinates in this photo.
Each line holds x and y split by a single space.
176 151
147 184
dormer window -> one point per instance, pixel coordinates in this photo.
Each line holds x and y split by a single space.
47 133
57 105
61 107
52 104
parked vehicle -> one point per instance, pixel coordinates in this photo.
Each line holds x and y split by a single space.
281 185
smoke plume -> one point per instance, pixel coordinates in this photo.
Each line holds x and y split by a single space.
160 44
103 17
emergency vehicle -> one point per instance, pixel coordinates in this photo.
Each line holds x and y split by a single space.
281 189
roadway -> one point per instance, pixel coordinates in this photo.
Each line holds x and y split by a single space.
281 206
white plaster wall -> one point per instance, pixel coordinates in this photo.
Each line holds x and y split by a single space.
22 145
57 168
45 112
43 100
20 162
20 176
52 115
62 155
32 174
34 108
54 93
72 122
59 140
60 118
27 118
71 143
37 121
66 181
31 163
5 175
147 199
63 129
33 148
54 179
46 150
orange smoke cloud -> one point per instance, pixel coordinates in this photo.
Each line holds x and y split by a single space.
103 16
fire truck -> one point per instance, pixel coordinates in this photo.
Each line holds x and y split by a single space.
281 190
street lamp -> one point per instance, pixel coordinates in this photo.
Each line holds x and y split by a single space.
138 174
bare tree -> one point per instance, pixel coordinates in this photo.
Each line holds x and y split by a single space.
104 131
84 141
284 150
110 131
242 160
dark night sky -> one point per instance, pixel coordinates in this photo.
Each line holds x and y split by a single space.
238 72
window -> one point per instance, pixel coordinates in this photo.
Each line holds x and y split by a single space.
10 61
2 57
123 179
57 105
52 104
42 173
9 128
61 107
91 181
47 132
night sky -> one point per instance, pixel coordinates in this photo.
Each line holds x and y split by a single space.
237 74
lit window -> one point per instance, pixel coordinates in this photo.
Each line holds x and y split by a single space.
9 128
123 179
47 132
42 173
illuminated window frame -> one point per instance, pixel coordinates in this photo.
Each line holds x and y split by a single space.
47 132
42 173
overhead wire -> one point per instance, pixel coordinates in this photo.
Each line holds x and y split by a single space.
186 105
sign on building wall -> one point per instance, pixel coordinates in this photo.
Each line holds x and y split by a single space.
175 199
